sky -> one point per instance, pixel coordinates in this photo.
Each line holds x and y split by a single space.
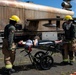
53 3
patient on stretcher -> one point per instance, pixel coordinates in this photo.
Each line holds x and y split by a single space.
36 42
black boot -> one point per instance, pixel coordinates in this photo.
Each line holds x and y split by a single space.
12 70
64 63
6 72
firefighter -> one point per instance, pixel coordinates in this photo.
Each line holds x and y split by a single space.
69 34
9 46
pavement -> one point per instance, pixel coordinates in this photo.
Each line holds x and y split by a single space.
23 65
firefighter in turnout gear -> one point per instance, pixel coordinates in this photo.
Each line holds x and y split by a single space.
69 34
9 46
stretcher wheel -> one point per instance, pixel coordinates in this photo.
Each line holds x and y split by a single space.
38 56
46 62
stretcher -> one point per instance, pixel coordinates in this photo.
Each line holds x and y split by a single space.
41 59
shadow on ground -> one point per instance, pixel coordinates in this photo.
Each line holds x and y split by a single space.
21 68
29 67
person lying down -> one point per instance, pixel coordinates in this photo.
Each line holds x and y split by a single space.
36 42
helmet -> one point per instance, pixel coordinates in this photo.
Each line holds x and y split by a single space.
14 18
68 17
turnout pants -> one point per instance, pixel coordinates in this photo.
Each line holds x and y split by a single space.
9 55
67 51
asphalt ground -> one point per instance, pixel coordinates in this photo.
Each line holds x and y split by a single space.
23 65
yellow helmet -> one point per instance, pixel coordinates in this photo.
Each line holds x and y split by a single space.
15 18
68 17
